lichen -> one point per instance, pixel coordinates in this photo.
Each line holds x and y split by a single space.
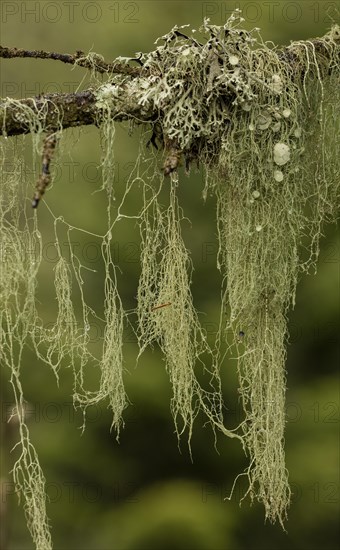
167 316
264 124
20 259
261 127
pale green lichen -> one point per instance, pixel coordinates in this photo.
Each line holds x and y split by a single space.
20 259
166 314
265 125
243 109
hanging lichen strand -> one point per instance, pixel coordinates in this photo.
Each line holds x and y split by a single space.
276 179
20 259
265 125
111 363
166 314
66 340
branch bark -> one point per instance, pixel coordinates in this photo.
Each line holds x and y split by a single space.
78 109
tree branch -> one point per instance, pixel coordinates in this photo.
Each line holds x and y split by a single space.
79 109
91 61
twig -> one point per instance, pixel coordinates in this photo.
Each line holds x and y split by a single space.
50 143
162 305
173 156
79 58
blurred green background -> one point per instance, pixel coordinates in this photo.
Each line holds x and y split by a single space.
144 492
